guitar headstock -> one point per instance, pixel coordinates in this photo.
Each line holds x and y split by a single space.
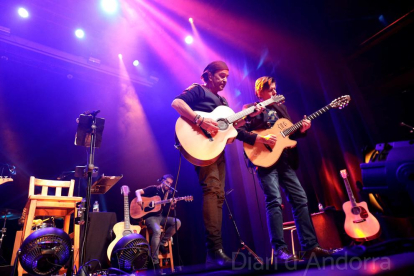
125 190
340 102
188 198
344 174
278 99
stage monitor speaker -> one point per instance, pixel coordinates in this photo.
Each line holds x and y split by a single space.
327 228
99 237
390 174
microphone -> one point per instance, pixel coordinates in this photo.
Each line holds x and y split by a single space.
404 124
170 187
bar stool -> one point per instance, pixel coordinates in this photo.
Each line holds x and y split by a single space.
289 225
161 257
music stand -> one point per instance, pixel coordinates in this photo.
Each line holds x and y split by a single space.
89 134
85 130
104 183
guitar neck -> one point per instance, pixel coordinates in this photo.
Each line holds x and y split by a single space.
126 212
250 110
169 200
298 125
349 191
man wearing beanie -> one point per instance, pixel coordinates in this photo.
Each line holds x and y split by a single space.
211 178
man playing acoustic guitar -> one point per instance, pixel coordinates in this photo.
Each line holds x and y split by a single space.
212 177
154 220
281 174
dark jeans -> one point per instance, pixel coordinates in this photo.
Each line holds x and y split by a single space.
154 223
281 174
212 181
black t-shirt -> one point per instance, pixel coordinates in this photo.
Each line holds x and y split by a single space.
200 98
155 190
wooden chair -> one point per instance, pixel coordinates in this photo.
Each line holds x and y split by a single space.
161 257
54 206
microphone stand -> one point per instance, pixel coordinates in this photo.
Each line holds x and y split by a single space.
89 185
242 244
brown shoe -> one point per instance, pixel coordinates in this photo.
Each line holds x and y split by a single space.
317 252
284 255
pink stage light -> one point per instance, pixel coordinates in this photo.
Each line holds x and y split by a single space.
191 20
120 56
189 39
136 63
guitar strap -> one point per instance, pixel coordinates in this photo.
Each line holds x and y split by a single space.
165 197
222 99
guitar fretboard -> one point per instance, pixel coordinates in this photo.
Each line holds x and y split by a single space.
169 200
126 212
299 124
348 189
250 110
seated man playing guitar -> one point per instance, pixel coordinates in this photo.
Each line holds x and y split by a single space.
154 220
280 174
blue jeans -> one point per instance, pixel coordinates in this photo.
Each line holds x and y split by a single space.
154 223
281 174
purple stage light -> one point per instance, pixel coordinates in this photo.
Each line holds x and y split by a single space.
109 6
136 63
80 33
23 12
120 56
189 39
191 20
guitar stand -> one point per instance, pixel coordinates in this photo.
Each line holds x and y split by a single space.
242 244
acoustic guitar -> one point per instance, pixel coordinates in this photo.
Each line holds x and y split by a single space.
202 149
123 228
360 224
151 205
264 155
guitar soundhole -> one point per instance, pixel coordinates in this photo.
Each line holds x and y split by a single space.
222 124
126 233
355 210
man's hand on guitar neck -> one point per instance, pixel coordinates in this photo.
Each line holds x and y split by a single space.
306 124
258 109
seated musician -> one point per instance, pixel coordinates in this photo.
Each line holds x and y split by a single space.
154 220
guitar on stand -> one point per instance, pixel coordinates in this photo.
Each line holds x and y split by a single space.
360 224
152 205
202 149
265 156
123 228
